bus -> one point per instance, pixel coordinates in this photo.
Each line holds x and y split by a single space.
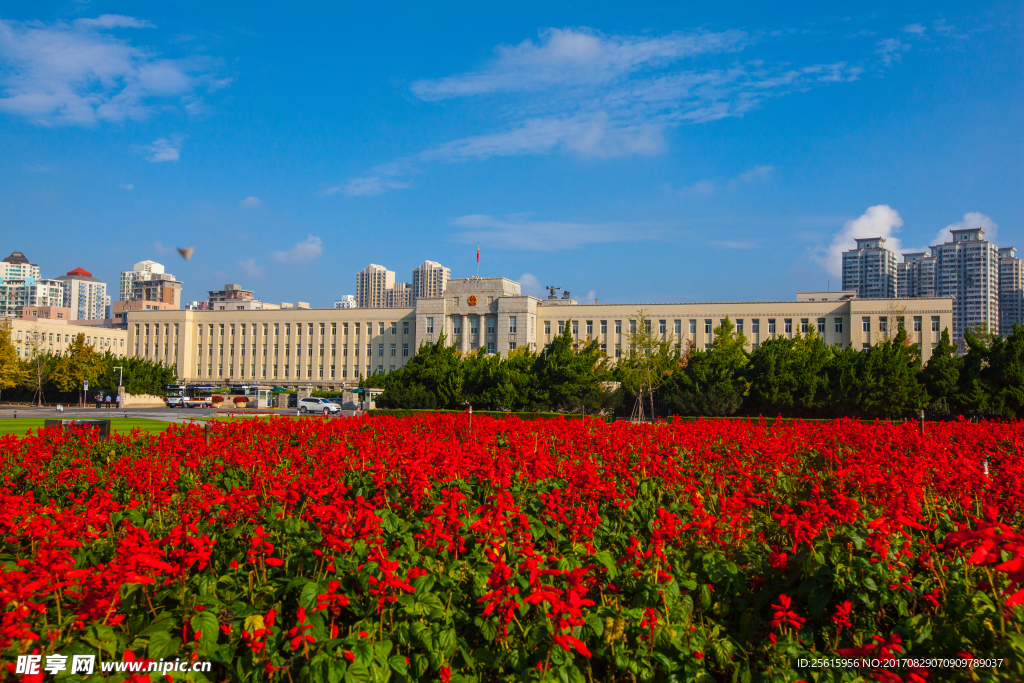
190 395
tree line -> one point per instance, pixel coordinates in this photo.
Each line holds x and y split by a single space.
800 376
44 376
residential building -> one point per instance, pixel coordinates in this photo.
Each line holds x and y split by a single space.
1011 290
159 288
85 295
198 306
17 267
142 270
967 270
234 298
336 347
15 295
121 309
916 275
346 301
376 288
34 335
870 269
429 281
45 313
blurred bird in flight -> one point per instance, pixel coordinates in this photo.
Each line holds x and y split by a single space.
186 252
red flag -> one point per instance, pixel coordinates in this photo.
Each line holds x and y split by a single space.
478 253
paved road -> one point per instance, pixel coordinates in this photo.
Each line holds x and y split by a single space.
166 414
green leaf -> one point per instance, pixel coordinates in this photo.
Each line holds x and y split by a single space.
357 673
447 640
819 599
606 559
336 670
206 623
596 623
307 598
397 663
160 645
870 584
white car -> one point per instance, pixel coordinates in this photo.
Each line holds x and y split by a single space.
318 405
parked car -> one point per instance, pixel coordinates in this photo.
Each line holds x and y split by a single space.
318 405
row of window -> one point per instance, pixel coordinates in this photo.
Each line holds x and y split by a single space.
311 372
309 349
144 328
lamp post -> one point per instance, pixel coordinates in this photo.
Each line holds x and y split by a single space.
120 375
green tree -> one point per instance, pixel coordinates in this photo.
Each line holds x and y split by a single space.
714 381
1004 376
12 372
940 377
647 363
435 372
788 376
569 375
972 393
38 364
495 383
137 376
887 377
79 363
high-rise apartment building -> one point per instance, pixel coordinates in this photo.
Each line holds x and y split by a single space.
967 270
17 294
346 301
870 269
399 296
85 296
372 284
145 271
1011 290
17 267
916 275
429 280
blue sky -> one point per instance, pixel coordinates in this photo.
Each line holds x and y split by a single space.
626 152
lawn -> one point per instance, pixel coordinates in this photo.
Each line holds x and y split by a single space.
21 425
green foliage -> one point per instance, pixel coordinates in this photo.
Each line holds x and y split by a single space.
12 374
788 376
141 375
79 363
714 382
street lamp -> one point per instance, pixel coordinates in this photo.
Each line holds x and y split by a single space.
120 376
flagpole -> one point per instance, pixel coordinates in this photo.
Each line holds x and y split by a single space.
477 260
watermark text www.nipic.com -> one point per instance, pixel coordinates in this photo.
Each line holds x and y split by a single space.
86 664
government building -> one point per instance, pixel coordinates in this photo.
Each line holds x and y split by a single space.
332 348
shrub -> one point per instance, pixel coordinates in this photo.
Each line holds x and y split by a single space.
217 398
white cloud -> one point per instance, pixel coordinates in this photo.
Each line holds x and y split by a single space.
127 186
586 93
590 298
878 221
250 268
112 21
159 248
891 50
970 220
78 74
250 203
36 168
916 29
163 150
756 174
303 252
531 286
515 232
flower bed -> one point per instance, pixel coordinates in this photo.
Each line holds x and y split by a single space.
572 550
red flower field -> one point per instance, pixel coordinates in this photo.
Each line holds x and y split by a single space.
379 549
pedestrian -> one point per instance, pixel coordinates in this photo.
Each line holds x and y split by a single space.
117 400
108 403
99 401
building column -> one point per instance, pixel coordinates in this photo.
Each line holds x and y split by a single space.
464 335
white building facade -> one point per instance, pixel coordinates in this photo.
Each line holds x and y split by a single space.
17 267
870 269
429 281
85 295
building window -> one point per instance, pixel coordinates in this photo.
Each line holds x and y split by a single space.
917 323
935 323
618 350
405 350
707 327
865 346
575 328
788 325
618 327
883 325
755 326
561 327
430 326
380 350
678 327
511 346
739 325
865 324
662 329
821 326
392 350
547 327
839 325
590 327
405 328
604 327
491 322
380 330
803 325
512 324
693 326
490 347
771 325
647 326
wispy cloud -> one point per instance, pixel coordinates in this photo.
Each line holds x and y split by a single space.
582 92
127 186
530 285
916 29
163 149
891 50
519 233
970 220
756 174
159 248
707 187
701 187
250 268
250 203
36 168
878 221
80 74
303 252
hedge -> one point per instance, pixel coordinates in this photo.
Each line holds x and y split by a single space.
408 412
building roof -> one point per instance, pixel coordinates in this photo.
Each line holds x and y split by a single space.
17 257
80 271
79 274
